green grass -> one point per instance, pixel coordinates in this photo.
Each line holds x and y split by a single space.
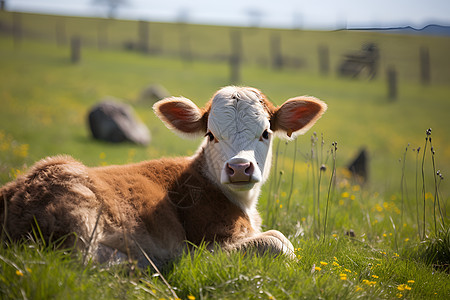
43 104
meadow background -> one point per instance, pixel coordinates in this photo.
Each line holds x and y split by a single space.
376 242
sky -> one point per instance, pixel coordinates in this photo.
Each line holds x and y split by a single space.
303 14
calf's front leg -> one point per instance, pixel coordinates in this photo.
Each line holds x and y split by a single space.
272 242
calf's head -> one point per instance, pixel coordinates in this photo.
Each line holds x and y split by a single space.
238 124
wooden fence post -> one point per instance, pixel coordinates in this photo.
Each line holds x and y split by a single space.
275 46
75 49
143 41
392 83
425 77
17 29
324 59
235 57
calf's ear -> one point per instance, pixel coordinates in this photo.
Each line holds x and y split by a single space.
297 115
182 116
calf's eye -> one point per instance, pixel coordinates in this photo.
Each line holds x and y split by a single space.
265 135
210 136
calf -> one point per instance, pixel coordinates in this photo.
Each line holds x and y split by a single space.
157 208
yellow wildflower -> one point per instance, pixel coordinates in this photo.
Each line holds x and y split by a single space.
358 288
368 282
378 207
318 269
410 281
347 270
399 295
19 273
335 264
407 239
343 276
15 172
190 297
374 276
345 195
323 263
403 287
335 258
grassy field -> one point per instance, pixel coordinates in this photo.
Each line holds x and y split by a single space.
43 104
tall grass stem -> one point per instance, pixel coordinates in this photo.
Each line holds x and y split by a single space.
91 238
436 192
156 269
403 185
332 180
423 182
288 201
272 185
417 193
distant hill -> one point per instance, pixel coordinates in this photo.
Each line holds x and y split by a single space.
432 29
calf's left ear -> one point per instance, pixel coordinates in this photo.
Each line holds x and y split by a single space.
297 115
182 116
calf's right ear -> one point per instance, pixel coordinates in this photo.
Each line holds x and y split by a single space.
182 116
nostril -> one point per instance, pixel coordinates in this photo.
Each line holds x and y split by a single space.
230 170
249 170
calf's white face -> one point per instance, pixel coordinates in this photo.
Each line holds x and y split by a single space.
238 124
239 139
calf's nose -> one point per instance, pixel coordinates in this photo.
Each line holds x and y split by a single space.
240 172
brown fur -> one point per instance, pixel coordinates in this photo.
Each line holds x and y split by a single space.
157 204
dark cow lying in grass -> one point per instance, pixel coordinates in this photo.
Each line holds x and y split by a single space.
157 208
